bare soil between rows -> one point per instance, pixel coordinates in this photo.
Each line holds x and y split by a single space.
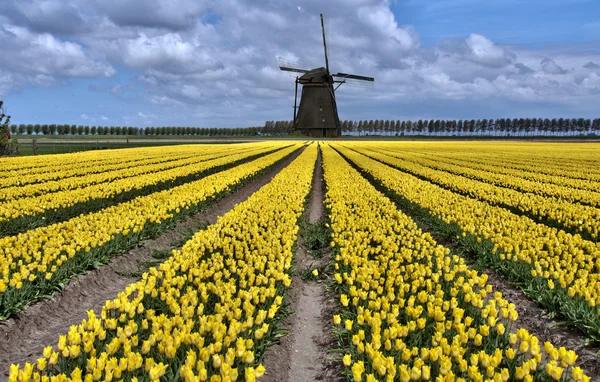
303 355
23 337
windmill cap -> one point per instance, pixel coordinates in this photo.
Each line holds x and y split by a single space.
317 75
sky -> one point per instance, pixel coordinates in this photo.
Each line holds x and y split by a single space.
214 63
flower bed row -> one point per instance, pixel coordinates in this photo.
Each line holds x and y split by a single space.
410 310
33 265
556 269
127 170
24 214
207 313
563 214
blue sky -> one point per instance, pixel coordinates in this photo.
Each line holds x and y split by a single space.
214 63
532 23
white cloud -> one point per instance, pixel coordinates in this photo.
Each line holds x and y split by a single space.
84 116
592 82
485 52
41 53
162 54
551 67
185 64
145 116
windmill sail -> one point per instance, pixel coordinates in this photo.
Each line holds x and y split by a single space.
317 114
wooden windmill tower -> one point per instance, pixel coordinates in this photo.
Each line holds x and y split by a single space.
317 115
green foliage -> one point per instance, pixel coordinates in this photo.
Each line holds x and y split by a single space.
5 147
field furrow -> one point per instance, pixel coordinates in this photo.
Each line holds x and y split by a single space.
208 312
558 270
71 183
492 167
23 214
39 262
568 191
27 333
410 310
571 217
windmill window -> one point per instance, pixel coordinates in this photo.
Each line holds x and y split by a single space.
321 108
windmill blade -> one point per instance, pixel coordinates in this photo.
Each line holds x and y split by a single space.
358 84
354 77
290 66
287 69
324 44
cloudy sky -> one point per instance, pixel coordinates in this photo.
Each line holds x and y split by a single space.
215 62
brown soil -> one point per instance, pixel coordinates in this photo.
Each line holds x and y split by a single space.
303 354
536 321
23 337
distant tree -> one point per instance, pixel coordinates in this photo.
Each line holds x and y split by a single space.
459 126
483 126
45 129
360 127
14 129
4 131
370 127
93 130
29 129
52 129
86 130
587 126
409 127
80 130
386 127
596 126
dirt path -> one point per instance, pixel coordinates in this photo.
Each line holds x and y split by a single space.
302 354
23 337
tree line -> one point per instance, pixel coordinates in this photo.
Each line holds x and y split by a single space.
473 127
476 127
54 129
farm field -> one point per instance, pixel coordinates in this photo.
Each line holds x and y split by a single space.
300 260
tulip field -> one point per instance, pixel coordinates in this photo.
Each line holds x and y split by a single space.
411 228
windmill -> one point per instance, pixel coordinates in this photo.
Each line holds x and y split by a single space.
317 115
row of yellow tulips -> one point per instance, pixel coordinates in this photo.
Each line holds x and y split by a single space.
38 260
556 265
206 313
37 205
55 167
86 159
491 165
572 161
136 168
571 190
571 216
413 311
